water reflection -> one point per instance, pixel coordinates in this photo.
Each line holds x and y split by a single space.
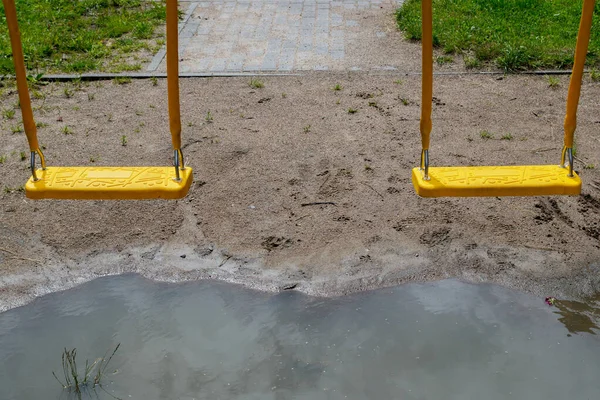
209 340
580 317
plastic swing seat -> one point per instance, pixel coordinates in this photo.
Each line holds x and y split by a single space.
105 183
496 181
527 180
109 183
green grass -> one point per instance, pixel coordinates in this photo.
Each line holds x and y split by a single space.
8 113
486 135
256 83
83 35
553 82
510 34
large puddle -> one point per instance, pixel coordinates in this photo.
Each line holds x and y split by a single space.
210 340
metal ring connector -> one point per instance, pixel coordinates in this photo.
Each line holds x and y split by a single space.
179 163
425 164
32 163
567 157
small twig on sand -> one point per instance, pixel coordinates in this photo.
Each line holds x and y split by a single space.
543 149
319 203
538 247
324 182
15 256
371 187
594 186
224 261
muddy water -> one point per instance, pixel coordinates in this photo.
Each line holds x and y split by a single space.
209 340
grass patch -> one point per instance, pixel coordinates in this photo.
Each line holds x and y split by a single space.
256 83
553 82
80 36
8 113
486 135
511 34
76 381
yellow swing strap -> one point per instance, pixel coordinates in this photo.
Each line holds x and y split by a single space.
24 100
426 81
173 82
583 39
492 180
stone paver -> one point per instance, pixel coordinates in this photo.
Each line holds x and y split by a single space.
284 36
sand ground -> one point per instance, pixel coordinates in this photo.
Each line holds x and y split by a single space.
269 152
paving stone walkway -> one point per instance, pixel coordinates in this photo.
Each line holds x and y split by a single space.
287 35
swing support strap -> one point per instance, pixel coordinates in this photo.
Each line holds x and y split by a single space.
21 76
490 181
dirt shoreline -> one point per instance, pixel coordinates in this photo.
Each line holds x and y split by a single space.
268 151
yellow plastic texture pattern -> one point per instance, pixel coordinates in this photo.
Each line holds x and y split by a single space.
109 183
527 180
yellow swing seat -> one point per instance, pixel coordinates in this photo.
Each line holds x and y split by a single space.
484 181
109 183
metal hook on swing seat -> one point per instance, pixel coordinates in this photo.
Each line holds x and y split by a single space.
567 157
425 164
32 163
179 163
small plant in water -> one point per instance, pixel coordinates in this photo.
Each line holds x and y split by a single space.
76 381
